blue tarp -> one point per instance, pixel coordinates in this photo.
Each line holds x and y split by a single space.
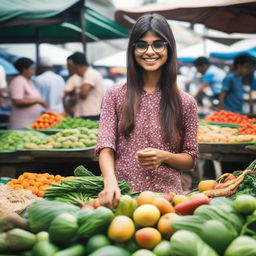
232 55
8 67
186 59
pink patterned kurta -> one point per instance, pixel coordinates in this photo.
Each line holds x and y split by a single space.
147 133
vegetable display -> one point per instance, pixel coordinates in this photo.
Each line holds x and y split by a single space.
142 224
17 140
71 123
68 139
82 188
46 120
218 134
35 182
224 116
233 185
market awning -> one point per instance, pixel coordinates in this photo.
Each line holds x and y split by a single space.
55 21
232 55
225 15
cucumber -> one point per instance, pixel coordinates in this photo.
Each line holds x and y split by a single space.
74 250
110 250
43 248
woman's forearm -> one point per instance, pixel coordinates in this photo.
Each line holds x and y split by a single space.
25 102
107 166
181 161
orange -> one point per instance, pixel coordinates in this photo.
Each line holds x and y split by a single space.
206 185
146 197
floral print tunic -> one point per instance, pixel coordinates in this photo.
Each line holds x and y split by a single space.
147 133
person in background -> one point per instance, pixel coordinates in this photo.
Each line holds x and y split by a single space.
3 82
50 85
148 127
231 97
212 79
87 90
73 81
27 103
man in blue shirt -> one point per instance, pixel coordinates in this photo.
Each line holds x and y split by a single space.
231 97
212 77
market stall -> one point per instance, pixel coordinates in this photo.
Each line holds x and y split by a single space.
226 137
51 142
44 214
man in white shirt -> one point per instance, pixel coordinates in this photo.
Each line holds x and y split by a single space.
86 88
50 85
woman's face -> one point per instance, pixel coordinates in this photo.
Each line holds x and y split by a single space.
28 72
151 58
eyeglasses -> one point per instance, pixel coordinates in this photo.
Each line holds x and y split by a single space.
157 46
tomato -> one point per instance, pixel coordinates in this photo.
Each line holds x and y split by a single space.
245 204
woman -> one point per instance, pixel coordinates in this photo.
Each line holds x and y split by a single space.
148 128
26 100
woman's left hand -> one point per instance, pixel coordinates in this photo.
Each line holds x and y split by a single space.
150 158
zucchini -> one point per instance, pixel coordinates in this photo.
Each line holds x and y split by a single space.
20 240
110 250
74 250
44 248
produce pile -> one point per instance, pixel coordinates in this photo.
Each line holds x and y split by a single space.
37 183
224 116
218 134
68 139
142 224
82 188
53 120
16 140
148 225
231 185
71 123
46 120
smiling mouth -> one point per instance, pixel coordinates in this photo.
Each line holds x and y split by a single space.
150 59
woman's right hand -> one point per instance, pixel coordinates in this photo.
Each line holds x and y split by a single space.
110 196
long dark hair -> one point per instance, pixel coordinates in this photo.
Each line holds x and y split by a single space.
170 104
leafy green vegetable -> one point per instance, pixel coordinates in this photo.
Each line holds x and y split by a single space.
247 186
81 189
